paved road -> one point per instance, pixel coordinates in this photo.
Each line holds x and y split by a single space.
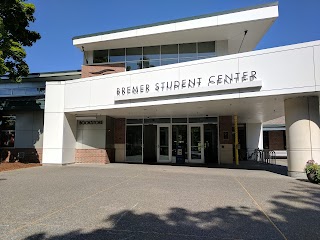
125 201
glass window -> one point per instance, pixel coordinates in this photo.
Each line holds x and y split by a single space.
100 56
134 144
133 65
7 134
179 120
156 120
134 54
117 55
187 50
169 51
206 49
151 63
134 121
151 52
187 59
168 61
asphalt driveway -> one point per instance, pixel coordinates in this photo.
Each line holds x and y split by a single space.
125 201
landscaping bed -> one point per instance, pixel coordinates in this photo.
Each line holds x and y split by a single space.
7 166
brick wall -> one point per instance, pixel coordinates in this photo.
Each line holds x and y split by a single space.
120 131
97 70
94 155
276 140
225 125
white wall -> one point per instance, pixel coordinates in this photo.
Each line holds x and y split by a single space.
284 70
29 129
254 134
92 136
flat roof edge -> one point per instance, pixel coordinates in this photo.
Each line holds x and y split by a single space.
177 20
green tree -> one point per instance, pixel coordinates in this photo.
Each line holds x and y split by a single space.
15 17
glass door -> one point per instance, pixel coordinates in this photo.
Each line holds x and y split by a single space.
163 145
134 143
196 149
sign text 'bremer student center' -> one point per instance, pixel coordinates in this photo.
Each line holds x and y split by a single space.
212 83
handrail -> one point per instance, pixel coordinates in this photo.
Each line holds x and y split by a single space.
264 156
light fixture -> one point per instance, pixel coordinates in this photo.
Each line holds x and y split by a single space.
86 117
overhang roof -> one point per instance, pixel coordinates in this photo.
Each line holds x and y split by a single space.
227 25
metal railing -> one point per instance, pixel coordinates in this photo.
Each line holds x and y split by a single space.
264 156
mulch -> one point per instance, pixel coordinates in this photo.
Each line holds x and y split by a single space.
7 166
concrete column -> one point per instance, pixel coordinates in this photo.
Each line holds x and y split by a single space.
303 135
254 134
59 135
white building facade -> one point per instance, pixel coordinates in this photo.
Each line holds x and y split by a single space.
173 92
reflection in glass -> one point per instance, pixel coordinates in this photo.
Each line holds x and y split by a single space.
164 143
134 144
169 51
100 56
134 54
179 138
117 55
195 143
188 50
168 61
151 52
133 65
206 49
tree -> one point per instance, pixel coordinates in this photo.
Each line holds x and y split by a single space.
15 17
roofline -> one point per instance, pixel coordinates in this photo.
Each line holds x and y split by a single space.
177 20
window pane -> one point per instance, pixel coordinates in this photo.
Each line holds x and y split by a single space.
168 61
206 49
117 55
151 52
169 51
187 59
187 50
134 121
100 56
134 144
134 54
151 63
7 138
133 65
8 122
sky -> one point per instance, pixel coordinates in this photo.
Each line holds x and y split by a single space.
58 21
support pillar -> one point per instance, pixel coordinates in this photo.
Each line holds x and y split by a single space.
59 137
303 135
254 133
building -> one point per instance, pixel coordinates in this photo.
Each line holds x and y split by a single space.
178 91
22 113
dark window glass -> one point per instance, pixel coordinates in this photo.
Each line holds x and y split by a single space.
100 56
169 51
134 54
151 52
134 144
156 120
117 55
179 140
179 120
134 121
187 50
7 134
206 49
203 120
265 140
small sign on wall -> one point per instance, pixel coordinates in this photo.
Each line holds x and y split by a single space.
225 135
90 122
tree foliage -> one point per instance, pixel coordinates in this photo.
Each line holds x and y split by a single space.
15 17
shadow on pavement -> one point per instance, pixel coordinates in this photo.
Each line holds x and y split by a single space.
295 212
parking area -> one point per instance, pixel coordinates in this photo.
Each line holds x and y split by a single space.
127 201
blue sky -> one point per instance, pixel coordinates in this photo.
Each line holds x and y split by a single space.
58 21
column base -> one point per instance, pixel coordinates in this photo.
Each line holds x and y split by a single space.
297 175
